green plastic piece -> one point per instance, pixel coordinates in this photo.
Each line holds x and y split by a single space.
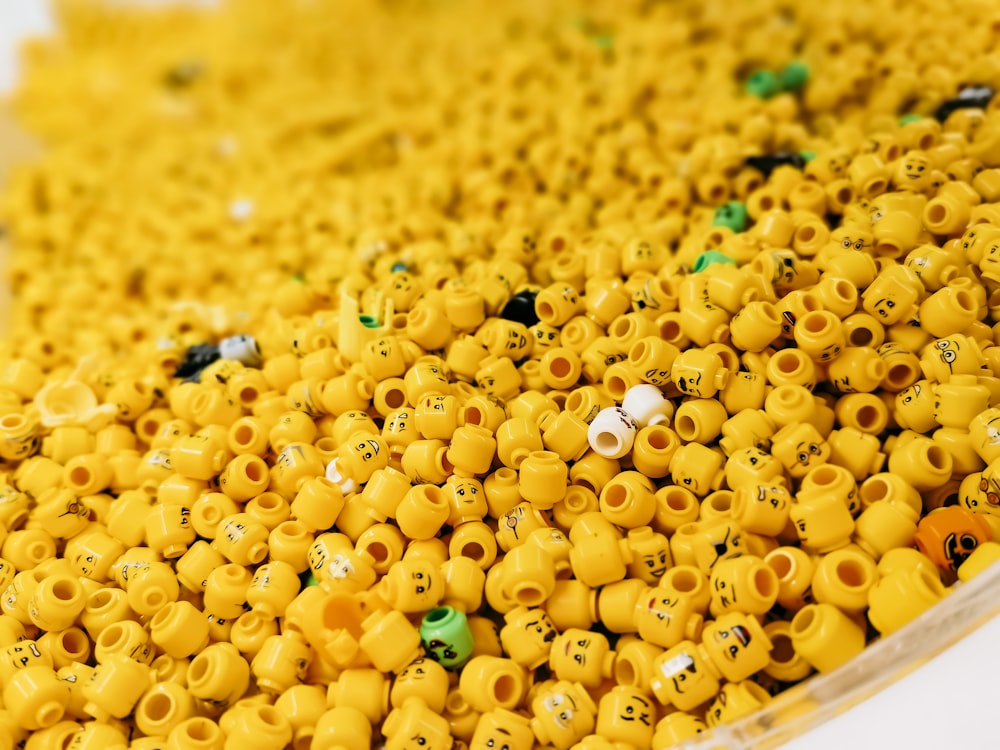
710 257
311 580
907 119
368 321
732 215
447 637
763 84
807 156
794 76
604 41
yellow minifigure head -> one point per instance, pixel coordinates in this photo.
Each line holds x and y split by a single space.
913 172
683 677
581 656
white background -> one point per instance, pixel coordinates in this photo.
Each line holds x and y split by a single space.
951 702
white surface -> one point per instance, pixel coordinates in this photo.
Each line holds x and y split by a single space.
948 702
18 19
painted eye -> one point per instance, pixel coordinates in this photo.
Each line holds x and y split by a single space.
949 356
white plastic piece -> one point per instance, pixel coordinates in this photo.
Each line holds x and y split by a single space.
612 432
346 484
647 405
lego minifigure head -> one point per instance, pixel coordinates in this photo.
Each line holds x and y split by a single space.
296 463
93 554
338 566
829 165
949 535
362 456
683 677
642 255
852 237
581 656
717 540
651 555
697 468
506 338
822 521
752 467
413 585
799 447
403 289
514 526
737 645
527 636
399 428
19 439
735 700
384 358
437 416
984 434
913 173
423 678
466 498
989 262
563 714
666 617
699 373
543 337
501 729
762 508
625 714
743 584
888 298
952 355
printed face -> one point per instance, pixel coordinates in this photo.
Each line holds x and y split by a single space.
540 628
83 563
562 708
913 172
732 641
302 397
512 519
543 337
655 564
414 671
725 542
687 380
854 238
777 498
991 257
466 491
364 456
663 617
398 428
511 340
948 351
578 656
809 453
635 708
685 673
20 440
